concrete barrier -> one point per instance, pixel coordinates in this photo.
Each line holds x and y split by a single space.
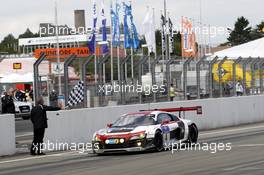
7 135
77 126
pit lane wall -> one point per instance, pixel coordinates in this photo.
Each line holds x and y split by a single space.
78 126
7 135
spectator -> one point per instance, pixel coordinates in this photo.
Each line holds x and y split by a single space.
53 98
39 120
172 92
8 106
239 89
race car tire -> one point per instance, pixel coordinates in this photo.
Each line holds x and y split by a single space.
158 141
193 134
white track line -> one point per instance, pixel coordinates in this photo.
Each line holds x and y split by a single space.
232 130
25 135
40 157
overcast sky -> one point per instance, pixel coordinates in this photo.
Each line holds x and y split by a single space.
17 15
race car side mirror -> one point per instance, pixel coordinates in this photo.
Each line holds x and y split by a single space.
109 125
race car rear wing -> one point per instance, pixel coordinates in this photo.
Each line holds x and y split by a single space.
198 110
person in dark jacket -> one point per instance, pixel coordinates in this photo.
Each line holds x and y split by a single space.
8 106
39 120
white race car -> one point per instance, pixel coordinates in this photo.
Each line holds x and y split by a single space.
152 129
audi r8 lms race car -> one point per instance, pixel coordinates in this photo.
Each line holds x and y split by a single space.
144 130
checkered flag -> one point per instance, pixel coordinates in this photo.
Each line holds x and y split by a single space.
77 94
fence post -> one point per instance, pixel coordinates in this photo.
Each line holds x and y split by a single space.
168 75
220 76
246 62
138 65
236 62
211 63
153 75
67 62
36 76
198 76
85 63
122 78
100 73
185 69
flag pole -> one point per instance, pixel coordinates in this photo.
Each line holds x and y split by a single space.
58 45
162 43
111 49
118 62
166 35
170 43
132 63
111 52
125 64
154 25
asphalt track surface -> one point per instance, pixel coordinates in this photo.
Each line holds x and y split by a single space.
245 157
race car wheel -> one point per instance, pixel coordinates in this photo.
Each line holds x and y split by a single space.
158 141
193 134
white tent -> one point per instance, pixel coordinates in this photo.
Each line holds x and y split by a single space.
25 74
251 49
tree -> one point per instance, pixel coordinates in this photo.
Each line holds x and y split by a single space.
258 31
241 32
28 34
9 44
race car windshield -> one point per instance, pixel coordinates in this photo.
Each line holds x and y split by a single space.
134 120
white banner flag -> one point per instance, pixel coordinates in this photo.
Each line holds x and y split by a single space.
149 31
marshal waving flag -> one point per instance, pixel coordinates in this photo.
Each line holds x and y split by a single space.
76 95
188 39
92 42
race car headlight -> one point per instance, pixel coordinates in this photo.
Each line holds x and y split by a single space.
97 139
138 136
122 140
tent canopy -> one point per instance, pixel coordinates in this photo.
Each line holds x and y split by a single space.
251 49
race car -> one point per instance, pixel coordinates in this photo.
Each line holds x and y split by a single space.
144 130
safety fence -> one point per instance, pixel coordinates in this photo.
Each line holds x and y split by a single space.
148 79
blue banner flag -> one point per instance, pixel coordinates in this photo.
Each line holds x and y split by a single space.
104 34
127 36
92 42
135 39
115 25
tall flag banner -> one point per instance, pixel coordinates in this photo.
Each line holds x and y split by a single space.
76 95
149 31
163 33
171 38
104 33
188 39
134 33
92 42
115 25
127 36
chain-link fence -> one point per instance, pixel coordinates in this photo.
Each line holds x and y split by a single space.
152 79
